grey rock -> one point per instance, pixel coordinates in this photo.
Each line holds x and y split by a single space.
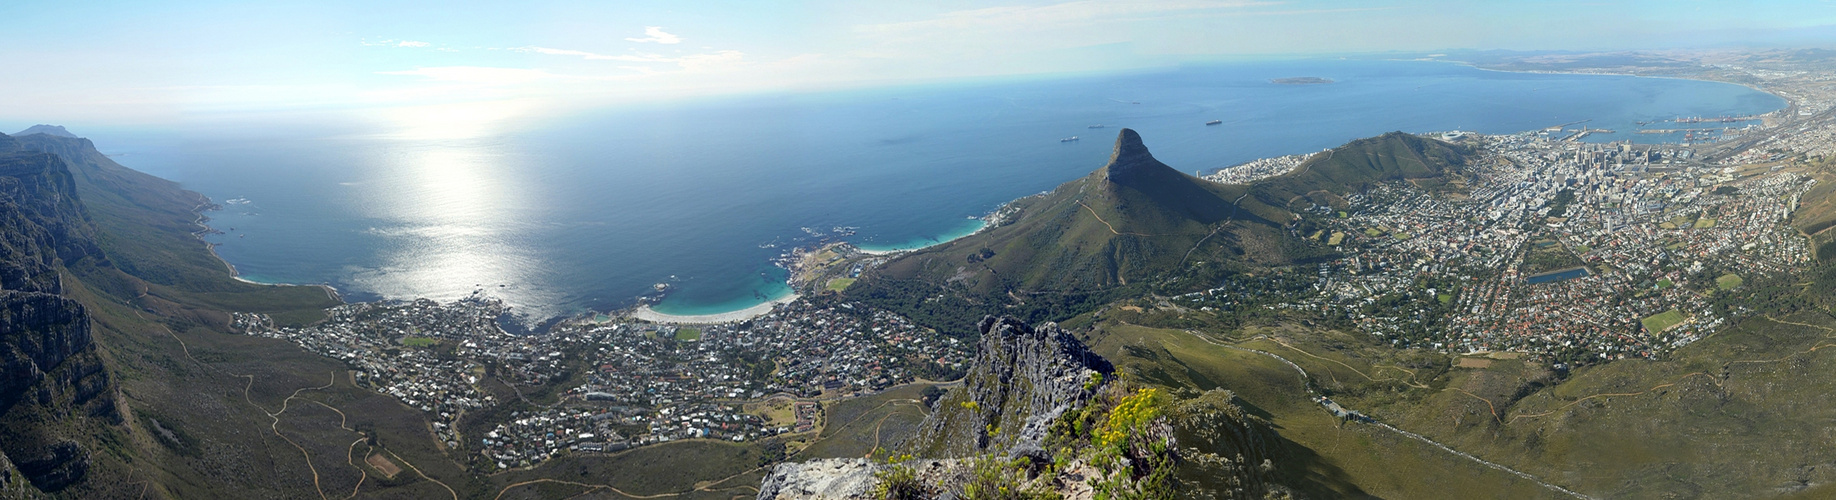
1022 380
827 479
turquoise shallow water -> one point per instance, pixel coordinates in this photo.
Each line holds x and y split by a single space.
589 211
967 227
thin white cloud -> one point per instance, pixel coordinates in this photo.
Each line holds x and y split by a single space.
412 43
655 34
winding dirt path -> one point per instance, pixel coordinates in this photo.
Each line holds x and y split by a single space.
1410 383
350 457
273 426
417 471
1111 227
1410 435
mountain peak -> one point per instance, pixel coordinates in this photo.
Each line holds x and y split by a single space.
55 130
1131 159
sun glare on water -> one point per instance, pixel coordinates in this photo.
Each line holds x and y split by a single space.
454 210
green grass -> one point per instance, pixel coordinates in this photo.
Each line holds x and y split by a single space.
1705 223
660 469
1316 454
1373 232
1728 281
1337 238
854 427
688 334
1659 322
839 284
419 342
1663 284
1732 407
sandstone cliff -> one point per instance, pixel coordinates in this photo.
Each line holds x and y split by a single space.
50 372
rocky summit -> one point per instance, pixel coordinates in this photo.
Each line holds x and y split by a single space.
1021 380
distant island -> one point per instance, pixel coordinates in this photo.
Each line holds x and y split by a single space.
1301 80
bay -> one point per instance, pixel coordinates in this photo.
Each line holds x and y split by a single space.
588 211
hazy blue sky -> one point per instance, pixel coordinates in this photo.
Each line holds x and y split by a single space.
143 62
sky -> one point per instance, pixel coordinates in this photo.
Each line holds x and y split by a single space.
450 67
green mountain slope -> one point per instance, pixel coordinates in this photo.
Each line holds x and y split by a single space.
1132 218
146 226
1133 226
102 390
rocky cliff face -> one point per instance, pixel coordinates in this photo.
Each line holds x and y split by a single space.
49 369
1021 380
1130 160
41 222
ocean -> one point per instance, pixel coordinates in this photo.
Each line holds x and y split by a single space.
589 211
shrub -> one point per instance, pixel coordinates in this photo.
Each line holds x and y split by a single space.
993 478
897 482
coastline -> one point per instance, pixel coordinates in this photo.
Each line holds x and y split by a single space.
985 224
201 220
1788 102
644 312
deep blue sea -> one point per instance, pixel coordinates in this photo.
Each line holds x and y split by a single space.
588 211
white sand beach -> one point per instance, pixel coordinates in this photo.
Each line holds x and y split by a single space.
645 313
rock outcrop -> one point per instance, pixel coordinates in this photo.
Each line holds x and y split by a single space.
1130 161
1022 379
829 479
41 222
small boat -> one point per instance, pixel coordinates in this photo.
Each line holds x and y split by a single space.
1214 122
1069 139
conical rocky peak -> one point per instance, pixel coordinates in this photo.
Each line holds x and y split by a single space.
1131 159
